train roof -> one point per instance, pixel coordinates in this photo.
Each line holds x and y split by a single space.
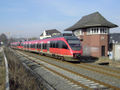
65 36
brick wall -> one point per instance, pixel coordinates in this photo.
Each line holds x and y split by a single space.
94 43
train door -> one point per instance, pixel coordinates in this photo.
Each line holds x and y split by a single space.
48 46
41 46
36 46
30 46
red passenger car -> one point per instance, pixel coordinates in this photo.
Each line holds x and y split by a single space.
62 47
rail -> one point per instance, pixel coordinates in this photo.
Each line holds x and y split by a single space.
80 75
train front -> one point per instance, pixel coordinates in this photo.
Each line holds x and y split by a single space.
75 46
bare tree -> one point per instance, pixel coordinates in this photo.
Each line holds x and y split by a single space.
4 39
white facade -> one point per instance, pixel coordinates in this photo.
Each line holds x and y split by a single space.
47 36
44 35
116 52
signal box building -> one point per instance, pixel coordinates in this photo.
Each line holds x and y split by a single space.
93 29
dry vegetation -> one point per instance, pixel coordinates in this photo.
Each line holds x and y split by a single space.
20 78
2 72
112 63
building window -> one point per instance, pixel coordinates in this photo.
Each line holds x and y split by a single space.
81 32
78 32
97 30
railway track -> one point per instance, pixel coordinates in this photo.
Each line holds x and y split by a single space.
95 68
77 79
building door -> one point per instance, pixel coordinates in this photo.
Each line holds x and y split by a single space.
102 50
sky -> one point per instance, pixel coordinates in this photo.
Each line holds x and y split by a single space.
29 18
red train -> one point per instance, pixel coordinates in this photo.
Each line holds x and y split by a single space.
63 47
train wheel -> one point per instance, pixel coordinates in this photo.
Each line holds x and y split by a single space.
42 54
62 58
56 57
59 57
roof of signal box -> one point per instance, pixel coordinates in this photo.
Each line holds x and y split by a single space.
91 20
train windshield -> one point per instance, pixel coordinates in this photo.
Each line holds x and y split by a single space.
74 44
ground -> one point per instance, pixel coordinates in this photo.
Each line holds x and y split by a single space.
112 63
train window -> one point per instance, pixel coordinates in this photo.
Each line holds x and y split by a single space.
45 46
34 46
39 45
74 44
59 44
56 46
21 44
64 45
28 45
51 44
42 45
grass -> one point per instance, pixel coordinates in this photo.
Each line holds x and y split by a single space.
2 72
20 78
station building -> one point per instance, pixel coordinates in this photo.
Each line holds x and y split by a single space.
49 33
93 29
